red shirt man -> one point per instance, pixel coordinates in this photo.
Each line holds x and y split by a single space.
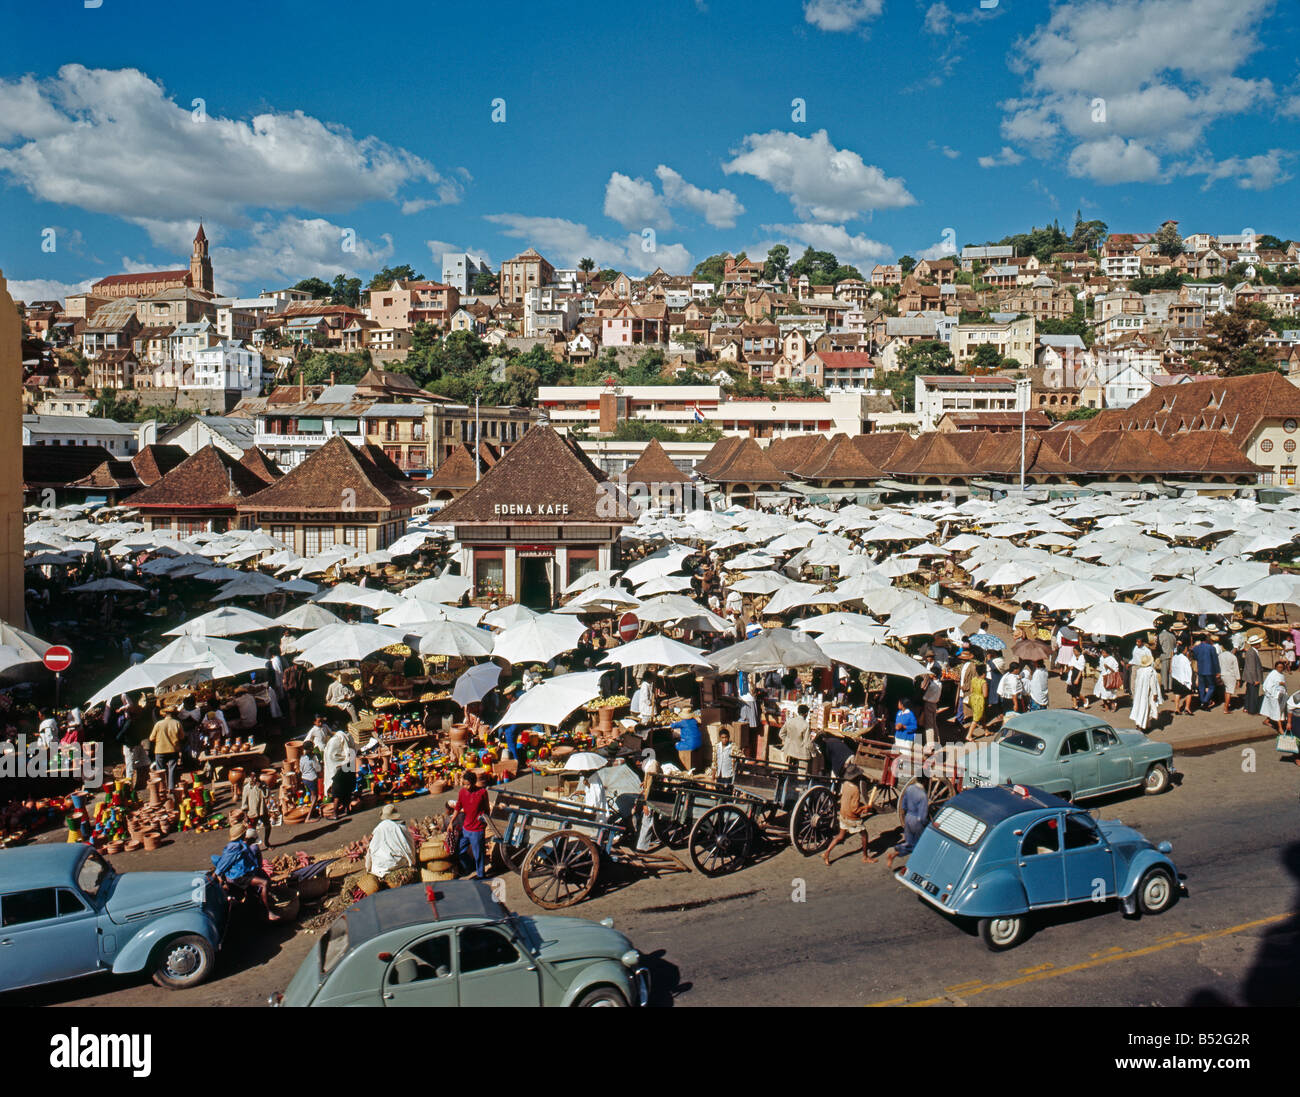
473 802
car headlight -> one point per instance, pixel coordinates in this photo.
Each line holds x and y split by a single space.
630 958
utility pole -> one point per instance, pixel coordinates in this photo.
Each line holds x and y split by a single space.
1023 386
478 458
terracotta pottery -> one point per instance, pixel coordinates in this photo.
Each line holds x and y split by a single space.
114 847
151 840
235 775
313 888
605 719
292 752
132 845
155 792
437 787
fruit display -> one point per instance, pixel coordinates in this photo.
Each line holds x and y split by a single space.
617 701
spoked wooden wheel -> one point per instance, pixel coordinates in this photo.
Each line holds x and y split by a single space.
814 821
887 797
561 869
512 857
720 840
669 833
941 791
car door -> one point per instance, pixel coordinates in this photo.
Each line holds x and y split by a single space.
1089 863
1078 764
46 934
1041 869
423 973
1114 762
493 971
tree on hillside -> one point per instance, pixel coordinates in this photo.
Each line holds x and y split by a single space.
1234 341
778 259
928 356
1088 235
986 356
1169 241
318 366
317 287
586 264
485 284
711 269
345 291
907 264
389 275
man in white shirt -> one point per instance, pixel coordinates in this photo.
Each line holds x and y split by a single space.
724 759
339 696
643 703
1038 686
1024 616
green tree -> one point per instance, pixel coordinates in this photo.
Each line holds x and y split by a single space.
778 259
1269 242
928 356
907 264
1169 241
539 360
587 264
317 287
711 269
986 357
1234 340
347 369
1088 235
608 274
520 387
345 291
485 284
386 277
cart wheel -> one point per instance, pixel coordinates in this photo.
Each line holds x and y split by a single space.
886 798
941 791
668 833
720 840
561 869
512 857
814 821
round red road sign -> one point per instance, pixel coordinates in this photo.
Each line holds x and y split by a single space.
628 625
57 658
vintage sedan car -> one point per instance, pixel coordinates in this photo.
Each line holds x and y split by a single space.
65 912
999 854
1071 754
453 944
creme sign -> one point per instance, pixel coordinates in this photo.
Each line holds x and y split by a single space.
524 509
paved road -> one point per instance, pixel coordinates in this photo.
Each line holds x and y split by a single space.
790 931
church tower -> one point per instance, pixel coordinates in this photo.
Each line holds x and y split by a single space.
200 264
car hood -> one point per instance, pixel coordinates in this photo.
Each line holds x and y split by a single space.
139 894
1123 840
558 939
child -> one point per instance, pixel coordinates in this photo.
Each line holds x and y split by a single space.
724 760
310 771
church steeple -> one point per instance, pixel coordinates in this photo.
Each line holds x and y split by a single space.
200 264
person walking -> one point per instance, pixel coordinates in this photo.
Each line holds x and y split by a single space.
1009 691
472 809
256 804
1273 706
340 771
167 736
1109 681
854 812
1180 681
979 695
1252 673
1167 642
1074 672
1206 657
914 806
309 769
1145 689
1038 696
1229 674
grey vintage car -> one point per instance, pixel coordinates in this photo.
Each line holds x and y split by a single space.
65 912
1070 754
453 944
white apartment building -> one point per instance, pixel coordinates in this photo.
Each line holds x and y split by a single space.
1012 338
937 395
120 439
460 268
227 366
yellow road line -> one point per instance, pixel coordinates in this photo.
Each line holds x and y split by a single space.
1035 970
1098 960
889 1002
965 986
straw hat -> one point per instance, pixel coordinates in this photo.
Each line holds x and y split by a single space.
237 832
1255 636
1178 626
1254 641
389 812
1145 660
1234 626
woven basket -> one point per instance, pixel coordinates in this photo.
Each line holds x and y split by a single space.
428 876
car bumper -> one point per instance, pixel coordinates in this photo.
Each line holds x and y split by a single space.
641 984
912 885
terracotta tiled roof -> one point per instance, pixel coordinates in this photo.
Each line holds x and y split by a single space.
541 474
339 476
111 475
456 472
144 276
788 454
717 455
747 464
209 478
55 466
153 462
1128 451
935 454
884 449
1216 453
654 466
260 465
839 459
1035 419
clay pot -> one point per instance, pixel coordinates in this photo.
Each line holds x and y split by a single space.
236 776
605 719
437 787
313 888
132 845
114 847
292 752
297 815
151 840
155 792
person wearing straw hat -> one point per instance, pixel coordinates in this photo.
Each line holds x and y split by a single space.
1145 690
1252 671
854 812
239 867
390 844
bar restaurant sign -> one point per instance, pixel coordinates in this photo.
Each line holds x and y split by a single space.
522 510
535 552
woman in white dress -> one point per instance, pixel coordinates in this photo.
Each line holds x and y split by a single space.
1106 664
1145 688
1273 706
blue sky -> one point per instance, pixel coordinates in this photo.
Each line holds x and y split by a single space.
918 117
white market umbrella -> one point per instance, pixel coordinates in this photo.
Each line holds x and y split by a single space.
765 582
445 588
1275 590
412 612
1074 594
475 684
585 761
596 578
793 595
601 600
508 616
31 648
150 676
222 658
657 651
668 584
664 562
376 599
751 561
923 622
1114 619
539 640
96 586
873 658
227 621
550 702
307 617
1188 598
674 609
252 585
345 643
771 649
826 621
453 638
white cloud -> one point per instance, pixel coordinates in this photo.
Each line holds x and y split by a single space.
952 154
938 18
941 250
44 289
439 248
114 141
719 208
823 183
569 241
841 15
1261 172
634 204
1123 83
1006 158
848 248
280 253
1114 160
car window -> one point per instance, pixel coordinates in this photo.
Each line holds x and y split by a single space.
482 948
92 874
1023 741
334 945
1104 737
1080 831
427 959
70 902
1076 744
1042 838
20 907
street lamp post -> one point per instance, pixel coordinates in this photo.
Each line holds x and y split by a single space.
478 458
1022 398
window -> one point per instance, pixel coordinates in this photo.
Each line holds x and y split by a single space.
70 903
334 945
94 871
1042 838
1080 832
956 824
22 907
1075 744
355 536
489 575
482 948
317 538
1104 737
429 959
1023 741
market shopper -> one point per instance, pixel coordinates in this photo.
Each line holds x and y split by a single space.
1252 673
931 692
1074 673
1229 674
855 809
1145 690
390 844
309 769
340 771
1206 658
1180 681
1109 681
1273 705
686 731
256 804
167 736
797 739
238 866
914 806
471 812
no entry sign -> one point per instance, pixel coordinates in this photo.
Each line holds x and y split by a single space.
628 625
57 658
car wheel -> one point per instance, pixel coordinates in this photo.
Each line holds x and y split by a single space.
183 962
1000 934
1157 780
602 996
1156 892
